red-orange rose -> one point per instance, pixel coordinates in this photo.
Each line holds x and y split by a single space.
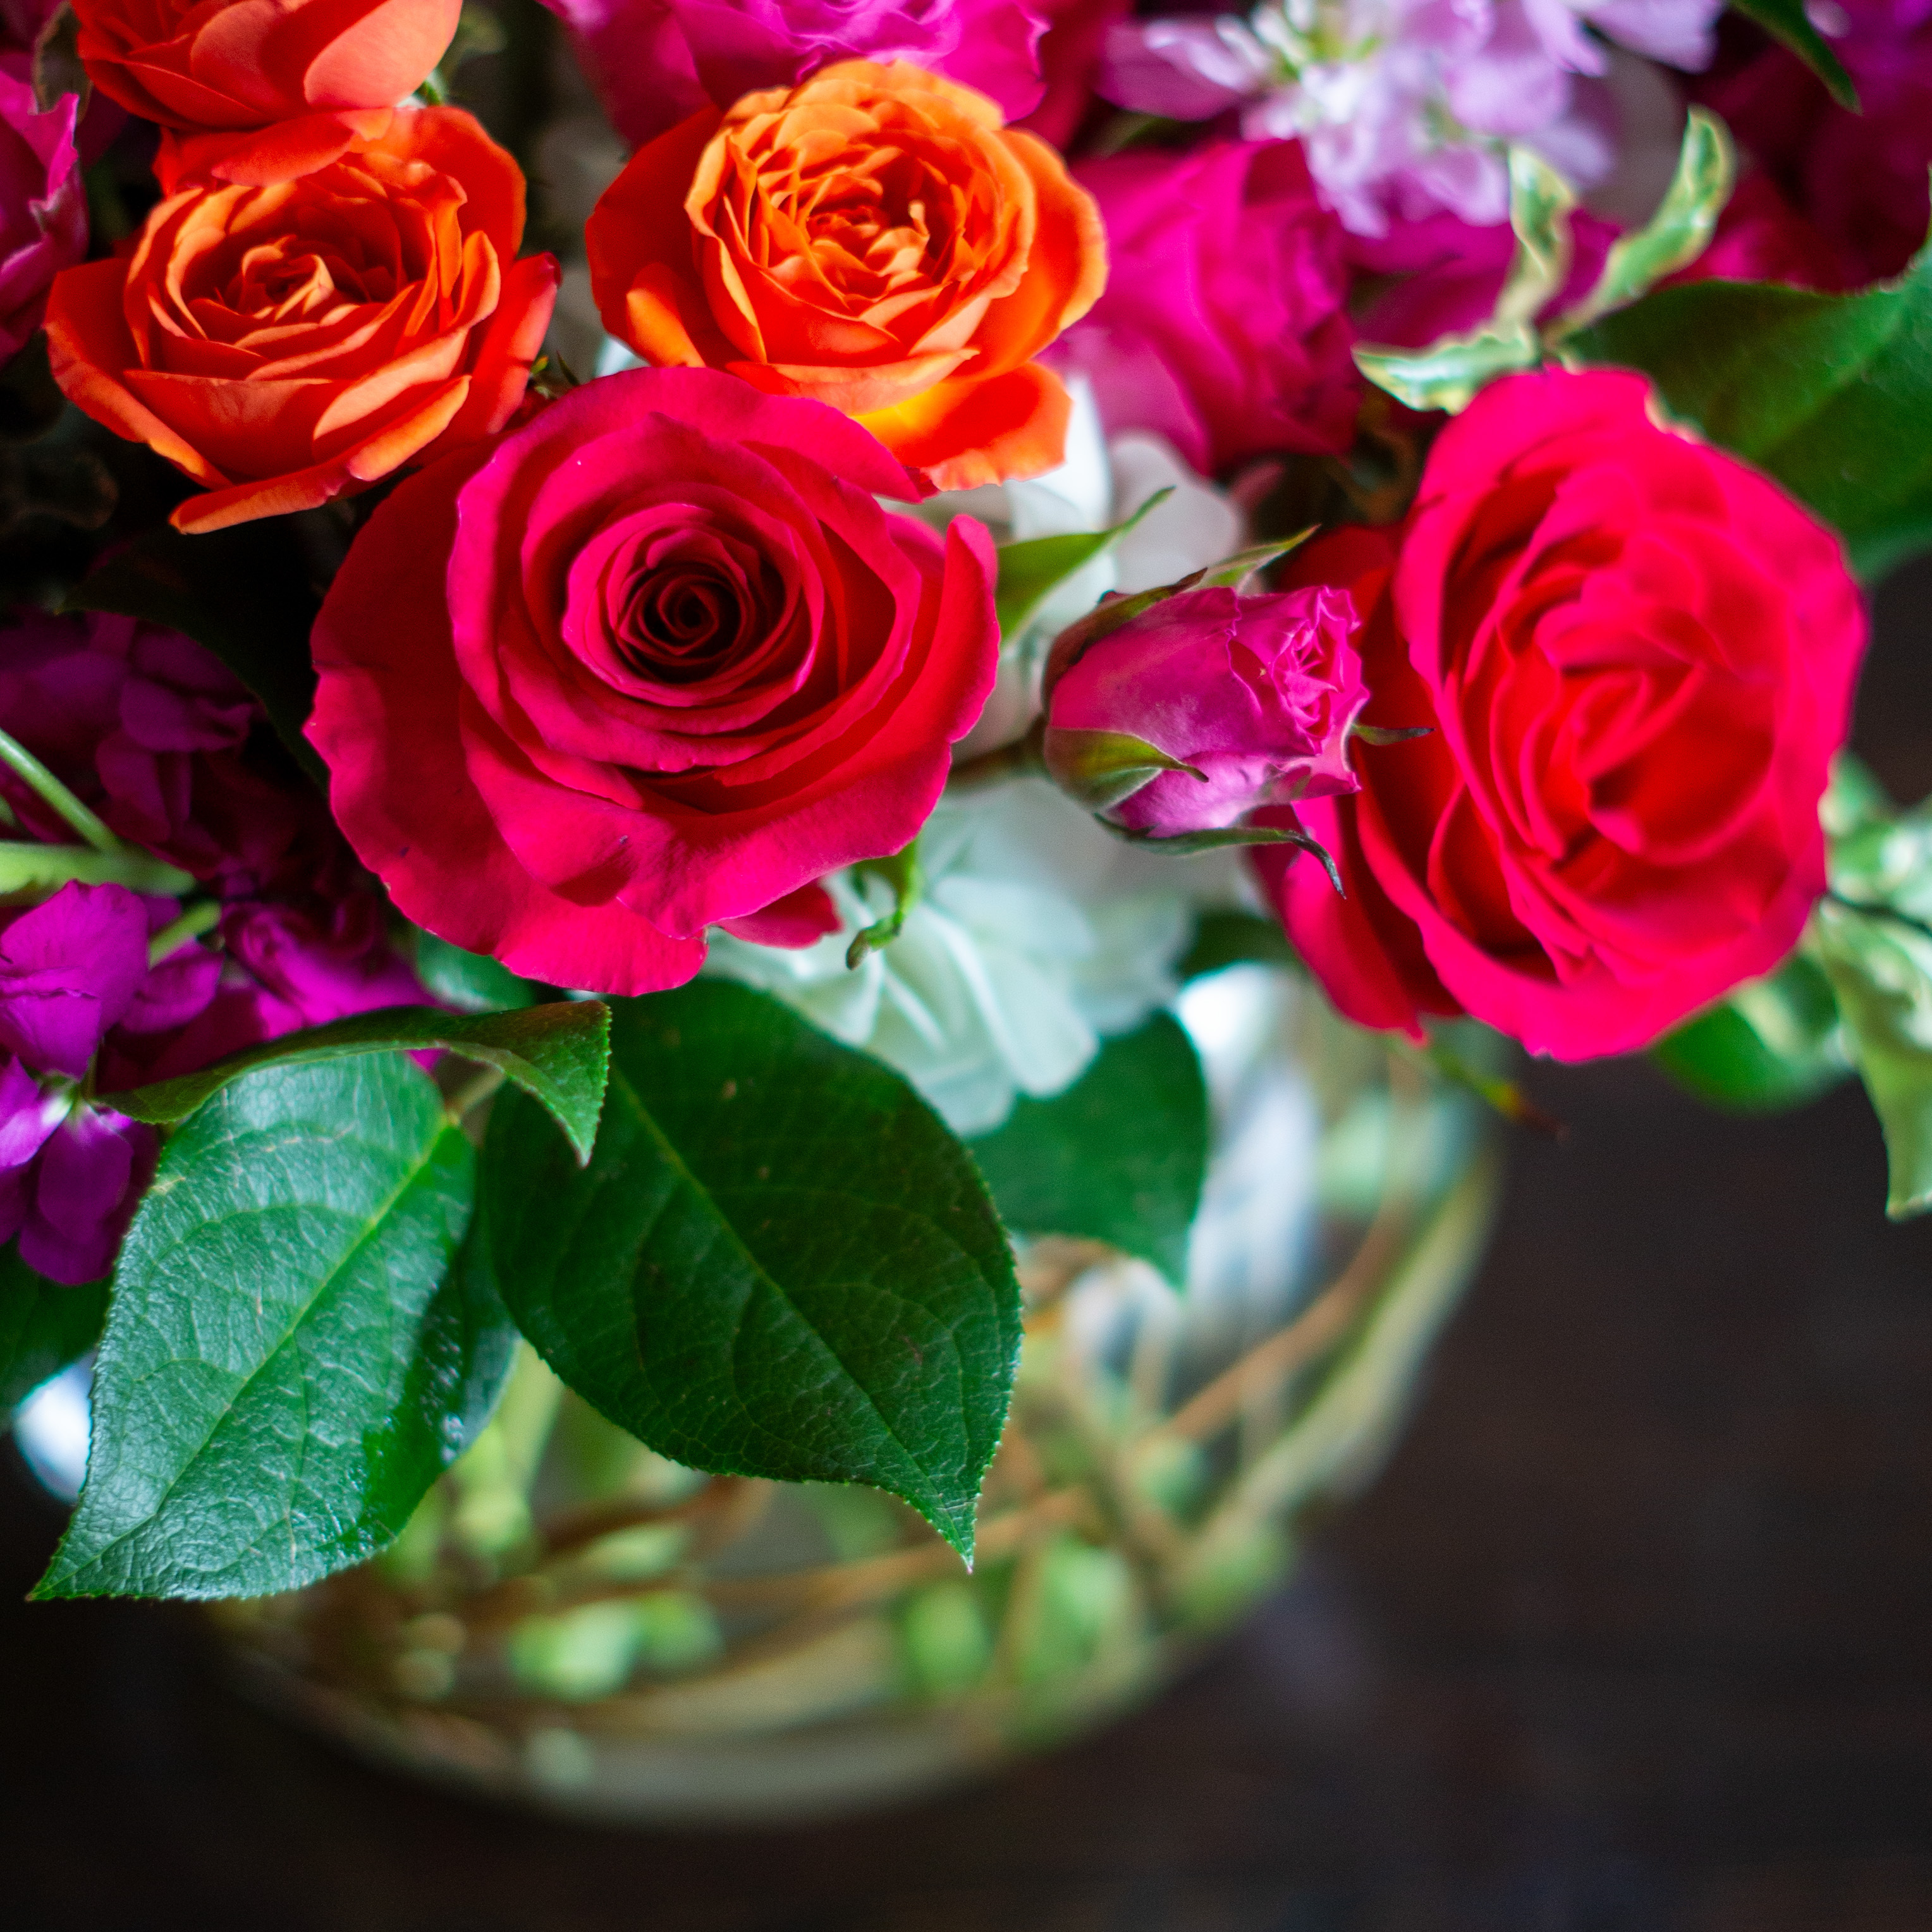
874 238
312 72
285 344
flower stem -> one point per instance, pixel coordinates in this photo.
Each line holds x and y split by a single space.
56 795
192 924
40 871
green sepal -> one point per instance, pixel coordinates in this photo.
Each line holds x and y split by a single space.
44 1326
559 1054
1030 571
1101 769
1788 21
1182 845
1120 1156
899 872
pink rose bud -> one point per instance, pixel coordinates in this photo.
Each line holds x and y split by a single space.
1207 705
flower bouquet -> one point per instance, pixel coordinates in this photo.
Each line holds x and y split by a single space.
632 823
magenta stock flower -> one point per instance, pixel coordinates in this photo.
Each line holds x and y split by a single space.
1255 696
43 206
70 1171
660 60
1222 326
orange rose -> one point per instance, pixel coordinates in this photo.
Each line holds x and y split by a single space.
873 237
312 74
287 344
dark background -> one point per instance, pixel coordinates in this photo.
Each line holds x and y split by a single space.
1636 1632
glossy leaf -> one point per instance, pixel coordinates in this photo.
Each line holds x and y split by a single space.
778 1262
558 1053
1790 21
1828 393
244 593
1773 1043
44 1326
1119 1157
290 1358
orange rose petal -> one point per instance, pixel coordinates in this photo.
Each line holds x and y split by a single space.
262 156
244 428
452 141
397 442
1065 271
855 392
275 496
366 60
87 340
1001 429
655 324
514 341
640 224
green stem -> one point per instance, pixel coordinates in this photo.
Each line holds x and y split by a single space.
56 795
192 924
44 869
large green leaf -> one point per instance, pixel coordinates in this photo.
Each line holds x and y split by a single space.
1830 393
778 1262
473 982
1790 21
1119 1156
246 594
289 1359
44 1326
558 1053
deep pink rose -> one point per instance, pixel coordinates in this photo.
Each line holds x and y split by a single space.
1255 695
1069 58
658 60
1636 656
42 207
1761 238
1222 326
656 662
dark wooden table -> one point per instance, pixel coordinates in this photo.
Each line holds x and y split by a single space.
1635 1632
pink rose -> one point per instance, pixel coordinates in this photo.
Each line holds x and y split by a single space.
1251 697
658 60
42 207
656 662
1222 326
1636 658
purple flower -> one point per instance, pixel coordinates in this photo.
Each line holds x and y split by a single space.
71 1172
43 206
658 60
1222 327
1406 106
1251 697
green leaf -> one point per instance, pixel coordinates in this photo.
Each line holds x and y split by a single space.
1030 571
1120 1156
778 1263
1773 1043
1787 20
472 981
1829 394
1228 937
1447 374
244 593
44 1326
1100 768
558 1053
44 869
1678 233
289 1359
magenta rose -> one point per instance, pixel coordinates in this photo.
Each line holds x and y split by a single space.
1222 325
658 60
1635 657
655 661
42 207
1249 699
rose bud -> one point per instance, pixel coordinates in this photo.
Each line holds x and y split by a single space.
875 238
1206 705
1635 656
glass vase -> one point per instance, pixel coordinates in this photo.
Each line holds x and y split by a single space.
573 1621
